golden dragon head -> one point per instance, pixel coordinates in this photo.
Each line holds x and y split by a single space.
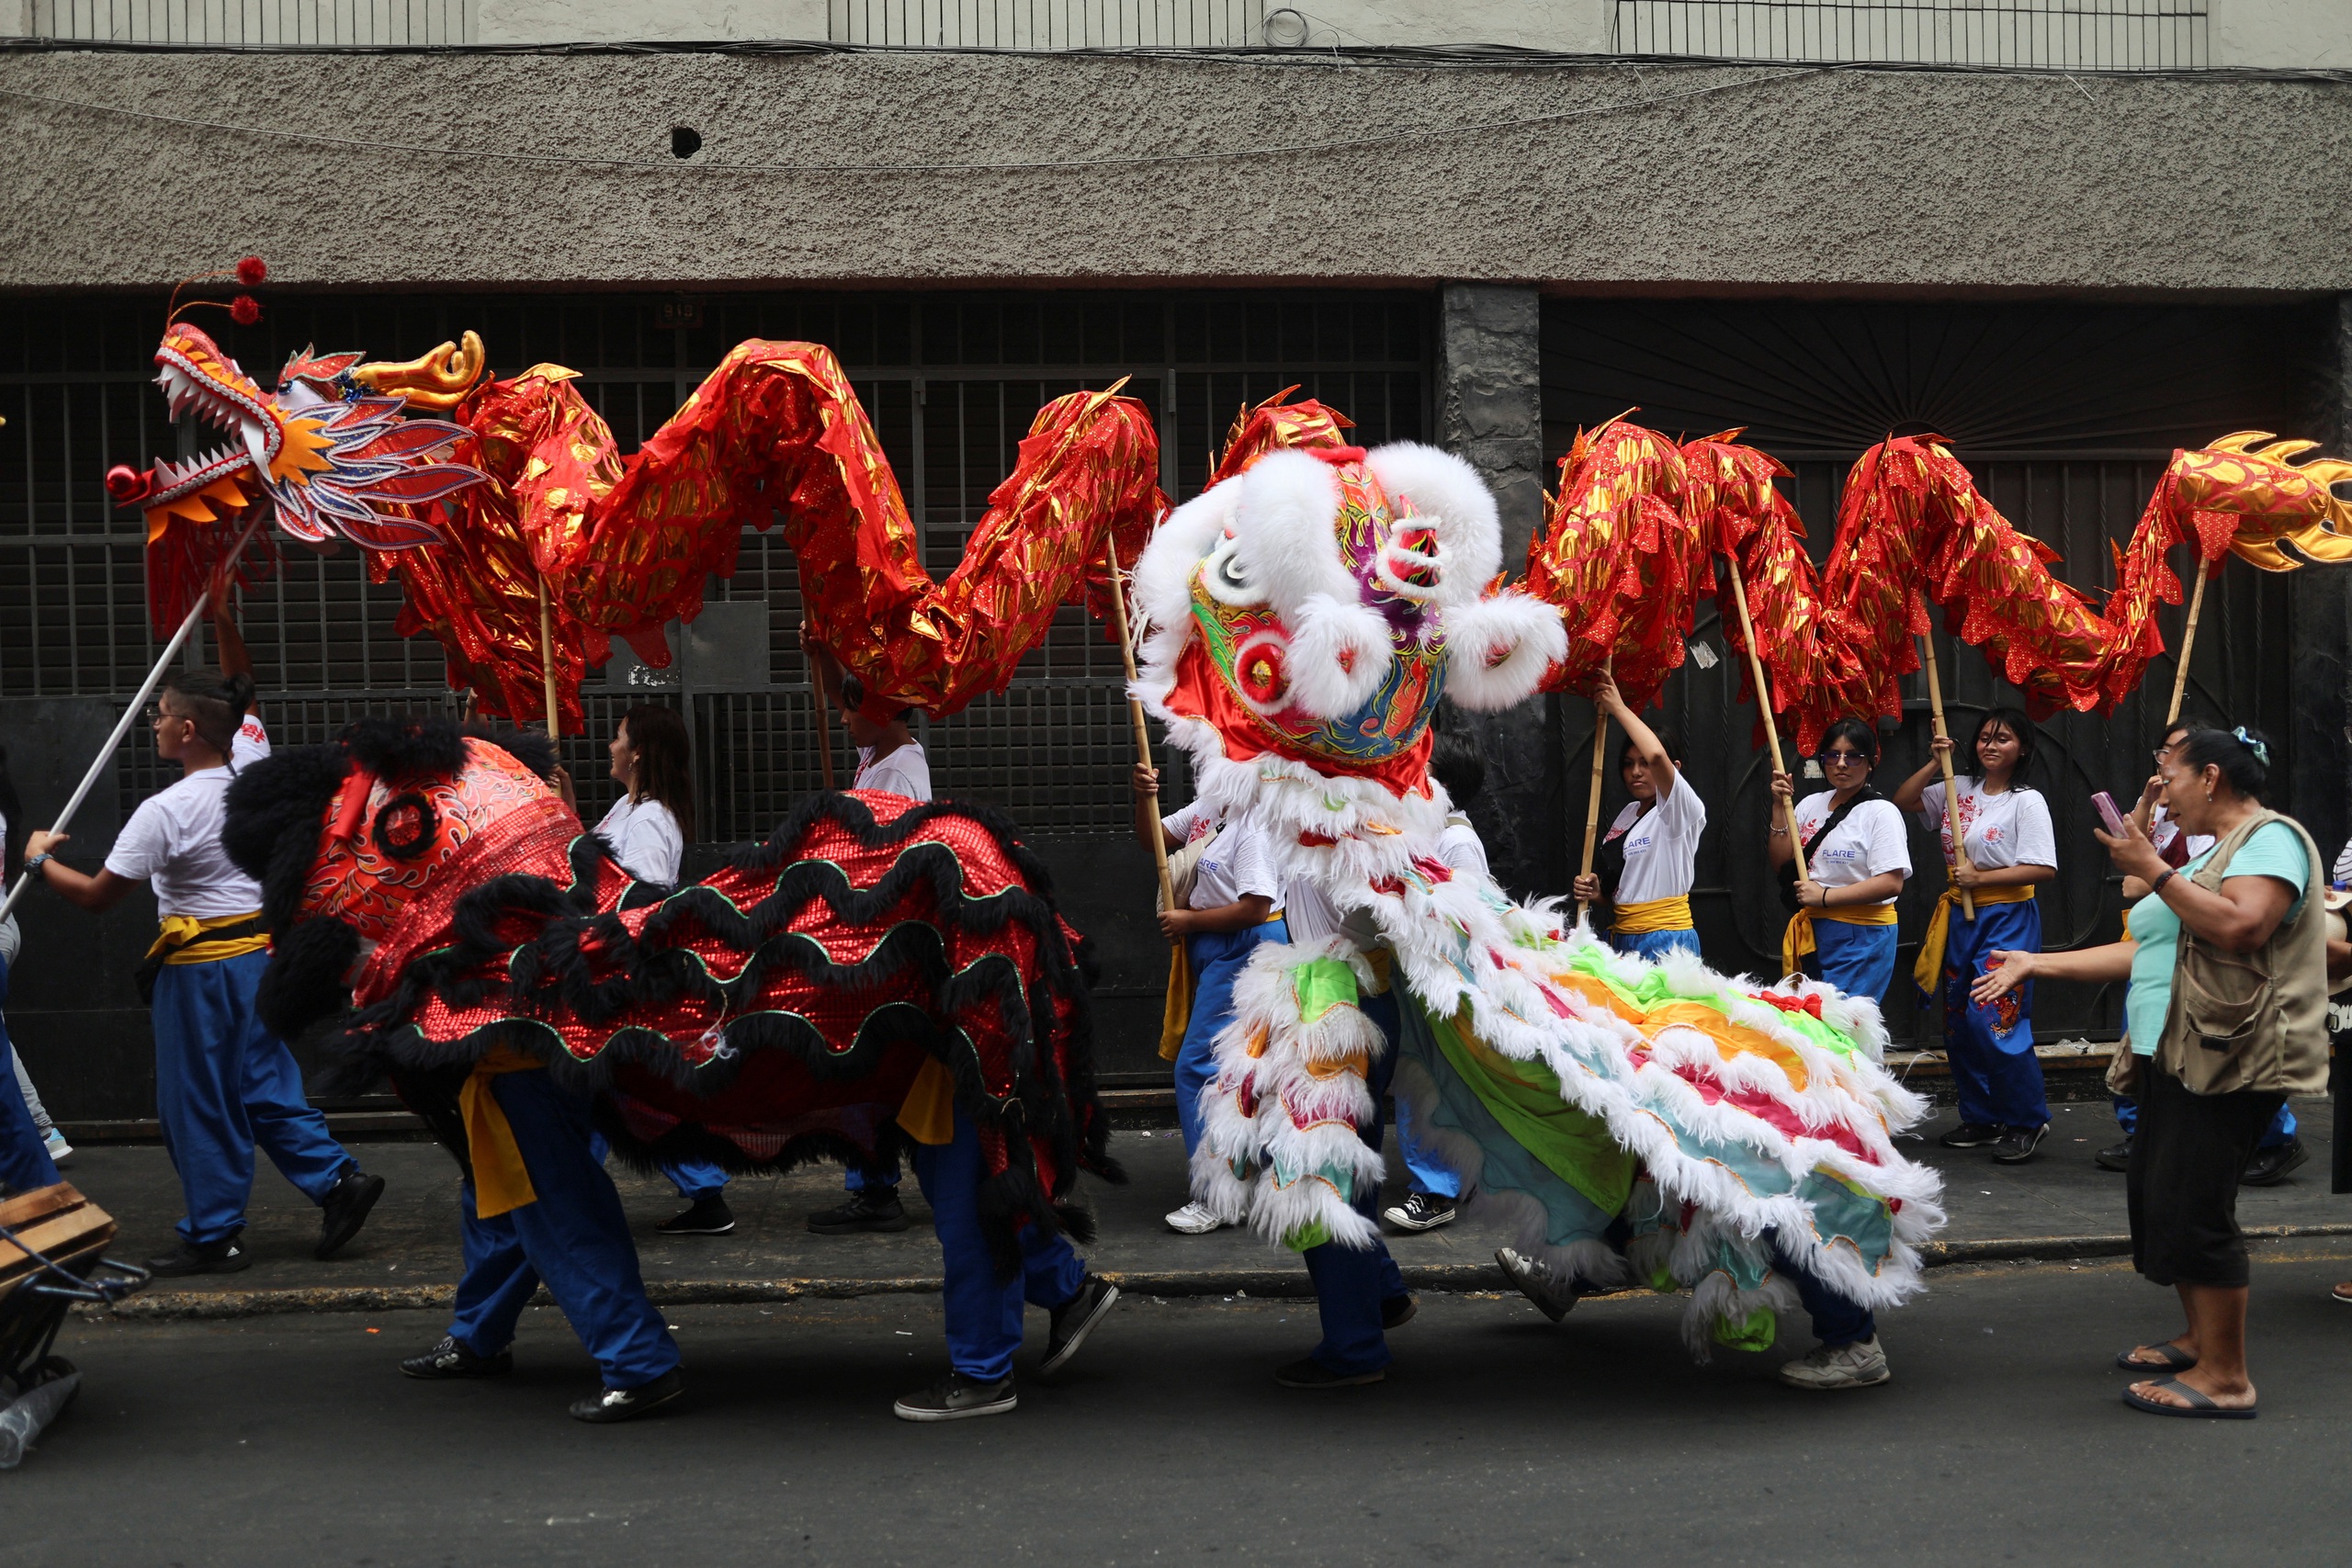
2256 502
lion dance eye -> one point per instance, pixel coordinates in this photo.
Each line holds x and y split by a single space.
405 826
1264 673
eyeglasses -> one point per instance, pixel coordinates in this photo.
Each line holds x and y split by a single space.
1841 758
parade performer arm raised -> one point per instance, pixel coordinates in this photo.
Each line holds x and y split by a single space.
1652 849
1857 856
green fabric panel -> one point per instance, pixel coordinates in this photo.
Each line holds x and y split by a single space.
1654 988
1321 984
1315 1234
1755 1332
1573 1143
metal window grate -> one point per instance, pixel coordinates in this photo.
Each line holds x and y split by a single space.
256 23
2100 35
1048 24
951 383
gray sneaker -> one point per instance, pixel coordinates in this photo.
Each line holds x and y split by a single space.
1859 1365
1553 1296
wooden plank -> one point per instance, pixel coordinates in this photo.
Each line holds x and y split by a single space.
31 1208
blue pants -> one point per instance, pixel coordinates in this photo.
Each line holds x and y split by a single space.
2279 1135
224 1085
24 1158
883 1172
695 1180
1836 1322
983 1312
1218 958
1428 1175
575 1237
1657 944
1857 960
1350 1285
1994 1069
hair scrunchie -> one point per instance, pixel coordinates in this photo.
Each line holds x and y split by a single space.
2261 753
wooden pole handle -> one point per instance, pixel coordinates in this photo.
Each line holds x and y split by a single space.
547 655
1136 716
1592 800
1952 792
2187 641
824 727
1764 706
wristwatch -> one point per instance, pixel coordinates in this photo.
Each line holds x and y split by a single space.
34 862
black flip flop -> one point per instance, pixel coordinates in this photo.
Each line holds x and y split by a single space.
2176 1359
2198 1404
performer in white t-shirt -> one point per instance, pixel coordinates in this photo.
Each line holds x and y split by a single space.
223 1083
1846 904
1648 861
2011 846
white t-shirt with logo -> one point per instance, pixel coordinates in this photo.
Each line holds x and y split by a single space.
2163 830
172 841
1661 845
1870 841
2008 828
644 836
903 772
1235 867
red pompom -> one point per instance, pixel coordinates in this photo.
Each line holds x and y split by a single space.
245 310
251 270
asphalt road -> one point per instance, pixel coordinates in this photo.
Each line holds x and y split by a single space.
1498 1438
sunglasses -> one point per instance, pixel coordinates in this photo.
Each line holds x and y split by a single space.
1841 758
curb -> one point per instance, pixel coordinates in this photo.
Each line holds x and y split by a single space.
1287 1285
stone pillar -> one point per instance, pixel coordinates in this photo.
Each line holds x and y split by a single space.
2319 744
1490 411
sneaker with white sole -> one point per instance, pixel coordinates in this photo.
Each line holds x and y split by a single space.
1859 1365
1553 1296
1420 1212
59 1151
958 1398
1193 1220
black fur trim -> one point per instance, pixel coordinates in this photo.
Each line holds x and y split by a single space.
309 976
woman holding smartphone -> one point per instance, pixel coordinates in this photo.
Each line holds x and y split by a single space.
1857 856
2011 847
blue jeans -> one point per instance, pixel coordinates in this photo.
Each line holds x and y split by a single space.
1217 959
24 1158
1857 960
984 1312
1836 1322
1657 944
224 1085
1994 1069
575 1237
1351 1283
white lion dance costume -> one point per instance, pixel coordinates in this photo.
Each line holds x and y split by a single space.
1635 1121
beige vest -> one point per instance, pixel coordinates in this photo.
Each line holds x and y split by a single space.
2252 1021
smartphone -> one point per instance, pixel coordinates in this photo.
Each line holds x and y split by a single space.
2107 814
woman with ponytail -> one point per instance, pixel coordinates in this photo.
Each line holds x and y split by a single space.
223 1083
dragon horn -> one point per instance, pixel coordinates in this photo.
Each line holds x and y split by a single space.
436 380
2238 441
2287 451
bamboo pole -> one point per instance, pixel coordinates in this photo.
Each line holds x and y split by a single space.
1592 800
1952 792
1764 706
2187 641
139 703
1135 713
547 655
824 726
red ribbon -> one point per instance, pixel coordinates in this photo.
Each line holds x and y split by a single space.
356 788
1811 1004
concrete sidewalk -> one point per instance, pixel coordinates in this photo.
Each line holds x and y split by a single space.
2059 1206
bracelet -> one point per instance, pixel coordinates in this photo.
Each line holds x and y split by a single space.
34 862
1779 833
2158 884
1824 898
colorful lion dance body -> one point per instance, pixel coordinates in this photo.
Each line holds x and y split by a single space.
1637 1122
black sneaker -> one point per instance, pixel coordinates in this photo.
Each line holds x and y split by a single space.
1075 1319
1421 1211
955 1398
345 1210
866 1211
609 1404
212 1258
708 1216
1971 1136
1312 1374
451 1360
2269 1167
2116 1158
2018 1143
1397 1312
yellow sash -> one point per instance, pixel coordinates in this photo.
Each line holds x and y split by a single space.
1928 974
1652 915
1177 1016
501 1182
1797 940
928 1113
182 939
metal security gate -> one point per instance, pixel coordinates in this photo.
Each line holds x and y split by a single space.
2066 416
951 383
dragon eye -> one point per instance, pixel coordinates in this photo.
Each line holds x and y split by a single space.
1227 580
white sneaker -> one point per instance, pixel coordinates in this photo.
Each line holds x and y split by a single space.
1859 1365
1553 1296
59 1151
1193 1220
